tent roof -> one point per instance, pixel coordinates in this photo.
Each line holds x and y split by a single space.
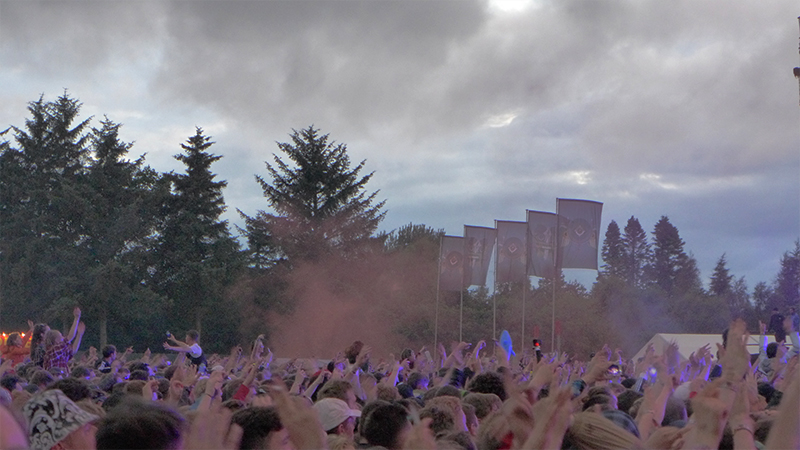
690 343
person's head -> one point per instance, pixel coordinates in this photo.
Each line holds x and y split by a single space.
261 429
626 399
442 420
590 430
41 378
388 393
418 381
484 403
14 340
39 330
386 425
56 422
675 411
139 375
472 419
336 417
74 388
52 338
134 423
109 353
82 372
340 389
447 391
604 401
351 352
453 406
338 442
408 354
11 382
488 383
192 337
772 349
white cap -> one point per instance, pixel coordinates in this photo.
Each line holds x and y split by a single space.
333 411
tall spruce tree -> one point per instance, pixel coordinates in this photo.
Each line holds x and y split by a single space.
668 255
43 211
320 203
197 258
613 253
123 202
721 279
637 253
787 283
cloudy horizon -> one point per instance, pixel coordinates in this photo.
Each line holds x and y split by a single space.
467 111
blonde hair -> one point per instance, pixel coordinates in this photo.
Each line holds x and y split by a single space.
51 338
591 430
337 442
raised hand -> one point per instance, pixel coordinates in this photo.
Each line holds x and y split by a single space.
710 413
300 420
76 313
212 430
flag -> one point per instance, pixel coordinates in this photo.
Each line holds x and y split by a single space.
478 246
541 244
511 251
582 233
451 263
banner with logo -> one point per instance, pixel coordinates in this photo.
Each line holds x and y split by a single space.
512 238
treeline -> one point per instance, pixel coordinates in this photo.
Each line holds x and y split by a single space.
144 252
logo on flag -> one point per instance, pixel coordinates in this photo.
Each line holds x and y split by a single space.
541 244
511 254
480 243
451 263
580 220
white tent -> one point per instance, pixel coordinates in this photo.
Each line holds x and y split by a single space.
690 343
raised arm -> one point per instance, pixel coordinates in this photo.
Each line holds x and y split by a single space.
76 317
76 344
178 347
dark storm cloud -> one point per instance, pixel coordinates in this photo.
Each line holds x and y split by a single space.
686 109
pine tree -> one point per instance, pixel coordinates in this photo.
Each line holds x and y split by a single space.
43 211
637 253
762 298
668 255
721 280
787 284
197 258
320 203
123 197
613 253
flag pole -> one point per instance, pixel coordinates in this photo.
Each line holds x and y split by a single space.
461 318
527 281
436 314
556 275
524 295
494 294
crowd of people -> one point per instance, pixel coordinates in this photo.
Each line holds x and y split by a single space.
470 397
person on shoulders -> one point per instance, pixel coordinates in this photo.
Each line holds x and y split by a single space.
191 347
14 348
60 350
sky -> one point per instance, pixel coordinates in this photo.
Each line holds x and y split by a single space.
466 111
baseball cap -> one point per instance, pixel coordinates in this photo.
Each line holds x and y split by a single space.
333 411
51 417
